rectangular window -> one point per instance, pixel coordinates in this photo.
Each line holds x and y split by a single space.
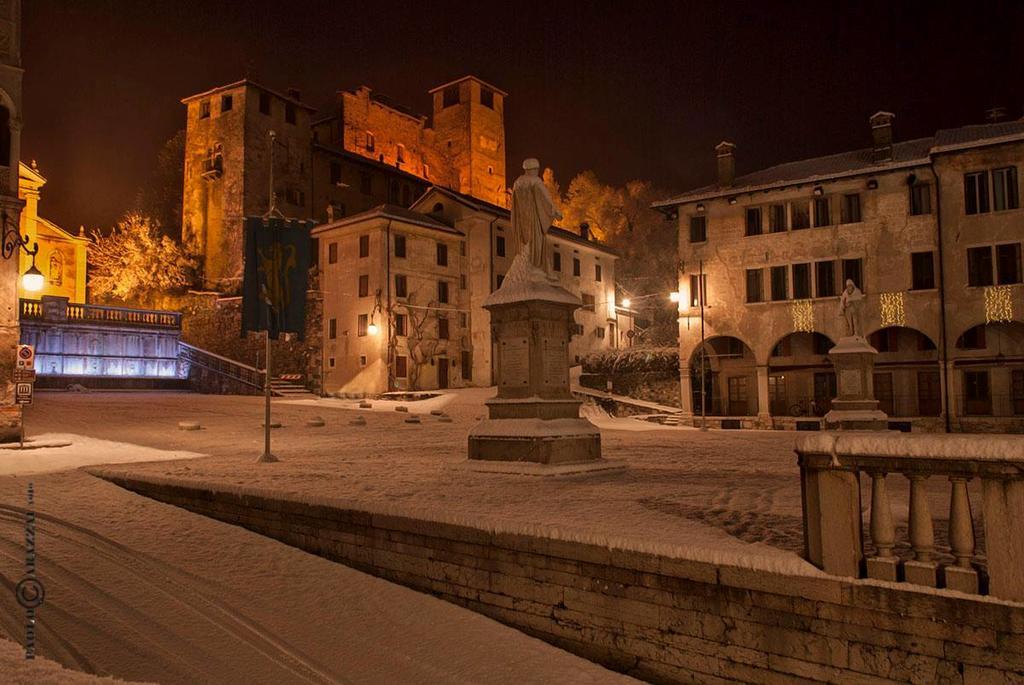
575 266
1017 391
922 271
400 246
264 103
1004 189
499 245
929 399
822 213
450 96
442 254
825 279
588 301
204 109
400 154
442 328
401 366
487 97
467 365
556 261
289 113
698 288
698 229
1008 264
364 285
332 253
330 362
332 329
463 320
977 397
777 218
850 210
462 281
753 221
801 281
401 325
371 141
226 103
442 292
364 246
777 395
738 395
799 216
597 273
755 285
853 270
335 173
462 248
779 283
882 385
401 285
362 325
921 199
976 192
366 183
979 266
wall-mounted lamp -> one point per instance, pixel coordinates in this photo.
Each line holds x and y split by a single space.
818 192
700 206
32 280
872 184
732 200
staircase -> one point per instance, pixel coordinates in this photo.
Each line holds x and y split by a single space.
290 386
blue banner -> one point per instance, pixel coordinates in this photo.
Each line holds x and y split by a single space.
277 258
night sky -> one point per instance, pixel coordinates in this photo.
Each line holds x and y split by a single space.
642 90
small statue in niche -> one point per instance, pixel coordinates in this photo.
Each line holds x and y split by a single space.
56 268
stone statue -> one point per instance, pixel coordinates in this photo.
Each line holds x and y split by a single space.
850 303
532 215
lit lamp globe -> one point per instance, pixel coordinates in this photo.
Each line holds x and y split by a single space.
372 329
673 296
627 302
32 280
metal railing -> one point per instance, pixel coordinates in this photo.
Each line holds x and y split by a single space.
830 468
61 310
229 368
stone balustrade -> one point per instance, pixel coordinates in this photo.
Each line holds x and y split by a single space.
831 465
59 309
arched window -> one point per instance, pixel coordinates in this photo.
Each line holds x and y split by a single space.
5 136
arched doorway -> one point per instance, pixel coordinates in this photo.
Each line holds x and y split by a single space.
729 383
989 364
801 381
907 376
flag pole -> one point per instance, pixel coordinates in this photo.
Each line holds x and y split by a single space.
268 456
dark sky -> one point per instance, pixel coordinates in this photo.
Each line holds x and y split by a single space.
628 89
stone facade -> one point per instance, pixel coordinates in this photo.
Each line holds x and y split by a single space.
662 619
776 246
478 239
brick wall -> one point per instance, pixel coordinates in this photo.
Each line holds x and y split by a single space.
661 619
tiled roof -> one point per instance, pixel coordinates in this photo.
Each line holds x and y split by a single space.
391 212
371 162
905 153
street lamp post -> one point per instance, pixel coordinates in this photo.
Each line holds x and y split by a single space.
12 241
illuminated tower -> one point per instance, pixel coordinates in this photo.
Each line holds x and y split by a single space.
469 126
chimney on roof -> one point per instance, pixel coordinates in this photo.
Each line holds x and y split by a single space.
881 133
726 163
295 94
585 230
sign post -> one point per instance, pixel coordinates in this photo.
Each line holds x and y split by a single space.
24 379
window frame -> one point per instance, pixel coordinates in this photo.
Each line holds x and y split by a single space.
755 296
926 276
753 222
698 228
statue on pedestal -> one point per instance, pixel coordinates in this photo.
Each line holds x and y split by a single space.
532 214
850 303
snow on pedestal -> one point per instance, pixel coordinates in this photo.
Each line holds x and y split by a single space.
533 424
856 407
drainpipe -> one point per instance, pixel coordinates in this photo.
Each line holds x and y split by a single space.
490 283
387 294
944 347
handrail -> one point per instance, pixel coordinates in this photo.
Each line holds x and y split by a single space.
224 366
830 468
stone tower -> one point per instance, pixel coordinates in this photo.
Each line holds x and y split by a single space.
227 168
10 207
469 126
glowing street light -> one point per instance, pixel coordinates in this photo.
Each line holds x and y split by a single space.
673 296
373 329
33 280
627 303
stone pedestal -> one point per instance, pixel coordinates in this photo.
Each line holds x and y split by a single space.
856 407
533 424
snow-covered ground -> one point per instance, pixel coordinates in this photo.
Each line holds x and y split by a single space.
51 452
148 592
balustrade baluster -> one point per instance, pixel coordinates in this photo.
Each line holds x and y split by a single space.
961 576
922 570
883 533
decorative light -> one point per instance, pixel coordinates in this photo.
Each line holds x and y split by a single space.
673 296
818 192
803 316
872 184
700 207
373 329
33 280
732 200
891 309
626 302
998 304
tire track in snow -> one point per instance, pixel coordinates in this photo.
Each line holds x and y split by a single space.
163 577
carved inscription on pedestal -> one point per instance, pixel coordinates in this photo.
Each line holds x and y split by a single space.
555 364
849 383
515 362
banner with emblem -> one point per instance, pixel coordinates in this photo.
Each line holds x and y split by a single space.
277 260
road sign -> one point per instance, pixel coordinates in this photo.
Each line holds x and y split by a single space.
23 393
26 357
24 375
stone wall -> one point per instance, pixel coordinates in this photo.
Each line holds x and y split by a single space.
662 388
662 619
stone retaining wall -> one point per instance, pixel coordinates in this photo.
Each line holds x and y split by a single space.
661 619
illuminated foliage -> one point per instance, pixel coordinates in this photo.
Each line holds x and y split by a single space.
891 309
998 304
803 316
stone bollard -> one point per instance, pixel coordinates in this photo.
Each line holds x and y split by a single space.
402 408
315 422
437 412
357 421
365 404
189 425
413 418
273 424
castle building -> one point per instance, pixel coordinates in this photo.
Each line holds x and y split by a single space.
403 290
62 255
367 152
930 230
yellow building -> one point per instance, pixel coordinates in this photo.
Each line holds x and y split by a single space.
62 255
